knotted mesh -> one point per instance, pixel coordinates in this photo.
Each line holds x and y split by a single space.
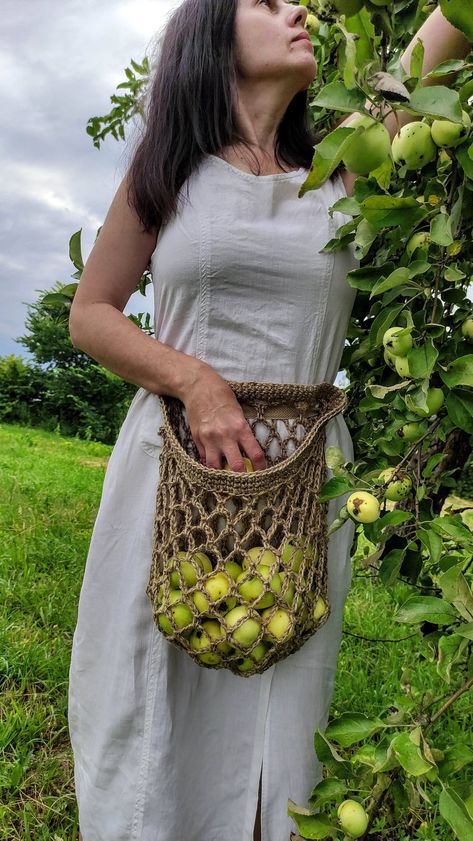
238 577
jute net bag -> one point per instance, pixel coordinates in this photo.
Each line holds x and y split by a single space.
238 577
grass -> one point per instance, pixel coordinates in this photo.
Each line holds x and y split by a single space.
49 494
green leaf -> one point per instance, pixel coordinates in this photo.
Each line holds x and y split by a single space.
452 274
450 651
465 630
436 101
452 65
421 360
454 811
425 609
432 542
459 372
380 391
382 322
452 528
417 60
347 205
329 756
327 790
75 251
311 826
456 590
366 277
327 156
390 567
410 754
465 161
336 97
441 229
432 464
362 26
389 211
459 405
460 14
397 278
352 727
382 174
364 238
334 487
456 757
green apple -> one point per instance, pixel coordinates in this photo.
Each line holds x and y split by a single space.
201 602
399 488
411 431
165 624
312 24
348 7
363 507
353 818
259 651
402 366
227 604
217 585
278 623
309 548
188 568
248 465
259 555
247 632
389 359
291 556
251 587
467 328
233 569
380 2
288 595
181 613
397 342
446 133
435 398
201 640
245 664
320 608
367 151
421 239
413 146
214 631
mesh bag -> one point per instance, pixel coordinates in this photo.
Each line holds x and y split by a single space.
238 576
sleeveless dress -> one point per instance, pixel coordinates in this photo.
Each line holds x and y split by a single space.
164 749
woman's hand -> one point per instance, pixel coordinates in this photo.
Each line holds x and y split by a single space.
218 425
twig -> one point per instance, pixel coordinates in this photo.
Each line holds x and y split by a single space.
457 694
369 639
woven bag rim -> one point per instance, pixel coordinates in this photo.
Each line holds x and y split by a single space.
246 480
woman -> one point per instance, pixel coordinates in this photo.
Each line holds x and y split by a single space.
164 749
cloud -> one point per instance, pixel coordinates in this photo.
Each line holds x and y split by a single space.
59 65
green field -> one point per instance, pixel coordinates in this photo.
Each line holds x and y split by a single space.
49 493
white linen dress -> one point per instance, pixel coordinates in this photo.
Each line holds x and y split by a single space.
165 749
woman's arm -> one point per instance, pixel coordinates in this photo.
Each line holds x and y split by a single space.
97 326
441 41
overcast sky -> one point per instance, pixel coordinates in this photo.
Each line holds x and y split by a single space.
60 61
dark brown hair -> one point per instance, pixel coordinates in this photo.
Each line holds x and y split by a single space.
190 110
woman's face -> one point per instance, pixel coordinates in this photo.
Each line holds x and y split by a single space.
266 49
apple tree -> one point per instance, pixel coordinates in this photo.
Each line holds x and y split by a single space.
408 358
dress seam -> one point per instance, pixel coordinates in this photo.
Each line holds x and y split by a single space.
153 662
202 319
327 280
